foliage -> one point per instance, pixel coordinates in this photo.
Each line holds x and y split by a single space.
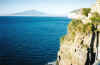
62 39
95 14
87 28
76 26
85 11
95 18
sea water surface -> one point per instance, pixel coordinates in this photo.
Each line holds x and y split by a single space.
30 40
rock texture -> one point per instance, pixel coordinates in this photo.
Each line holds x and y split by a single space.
80 51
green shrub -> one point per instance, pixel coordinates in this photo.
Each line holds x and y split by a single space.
62 39
77 26
85 11
95 18
95 14
87 28
74 24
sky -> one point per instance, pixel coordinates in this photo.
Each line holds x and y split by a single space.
55 7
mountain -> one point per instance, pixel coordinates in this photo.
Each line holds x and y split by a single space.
29 13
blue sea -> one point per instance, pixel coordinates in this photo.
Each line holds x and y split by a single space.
30 40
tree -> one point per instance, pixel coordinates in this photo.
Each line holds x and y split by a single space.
85 11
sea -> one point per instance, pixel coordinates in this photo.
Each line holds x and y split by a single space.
27 40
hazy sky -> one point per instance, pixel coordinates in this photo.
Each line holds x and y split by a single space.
57 7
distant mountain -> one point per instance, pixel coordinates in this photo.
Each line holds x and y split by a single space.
30 13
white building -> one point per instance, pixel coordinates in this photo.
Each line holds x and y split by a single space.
96 7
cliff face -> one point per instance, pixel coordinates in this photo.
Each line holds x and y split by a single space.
81 45
80 51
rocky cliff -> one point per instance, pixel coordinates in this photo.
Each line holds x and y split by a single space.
81 45
82 50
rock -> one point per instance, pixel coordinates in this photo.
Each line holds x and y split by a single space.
84 47
77 52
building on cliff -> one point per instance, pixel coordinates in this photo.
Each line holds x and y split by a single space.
96 7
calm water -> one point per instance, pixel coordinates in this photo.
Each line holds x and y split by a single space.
30 40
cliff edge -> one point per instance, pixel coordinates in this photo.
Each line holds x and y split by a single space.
81 45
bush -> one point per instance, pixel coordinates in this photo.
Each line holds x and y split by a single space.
62 39
74 24
95 14
85 11
77 26
87 28
95 18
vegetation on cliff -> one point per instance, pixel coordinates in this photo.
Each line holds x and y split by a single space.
95 18
85 11
81 43
77 26
62 39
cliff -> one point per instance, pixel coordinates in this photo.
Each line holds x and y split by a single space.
77 52
81 45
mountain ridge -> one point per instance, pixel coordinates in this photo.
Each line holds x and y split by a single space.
29 13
